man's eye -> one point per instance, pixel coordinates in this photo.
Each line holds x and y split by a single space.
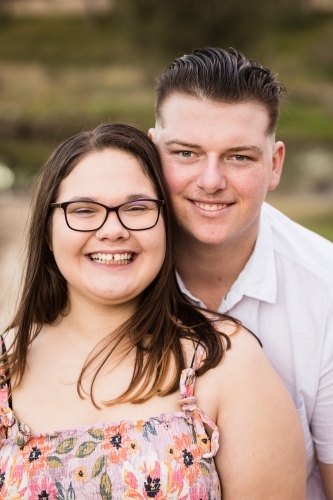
185 154
240 157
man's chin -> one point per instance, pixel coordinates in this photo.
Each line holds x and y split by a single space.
191 236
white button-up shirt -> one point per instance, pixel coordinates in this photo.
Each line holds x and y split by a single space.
285 296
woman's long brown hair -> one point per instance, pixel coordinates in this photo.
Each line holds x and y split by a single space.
163 317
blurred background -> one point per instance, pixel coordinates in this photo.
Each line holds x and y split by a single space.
66 65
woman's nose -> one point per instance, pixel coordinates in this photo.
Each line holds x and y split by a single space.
112 229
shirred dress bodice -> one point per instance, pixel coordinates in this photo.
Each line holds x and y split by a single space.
165 457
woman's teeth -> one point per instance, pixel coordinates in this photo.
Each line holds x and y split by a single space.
111 259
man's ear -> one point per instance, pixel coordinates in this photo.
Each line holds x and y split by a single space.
151 134
279 152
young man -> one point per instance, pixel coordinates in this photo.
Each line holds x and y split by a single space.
216 115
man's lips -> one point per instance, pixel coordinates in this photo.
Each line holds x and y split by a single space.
210 206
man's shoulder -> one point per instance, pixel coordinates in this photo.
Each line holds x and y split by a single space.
300 245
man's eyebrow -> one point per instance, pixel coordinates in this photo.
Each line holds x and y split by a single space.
238 149
177 142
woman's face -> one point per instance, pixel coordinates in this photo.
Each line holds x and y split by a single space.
111 265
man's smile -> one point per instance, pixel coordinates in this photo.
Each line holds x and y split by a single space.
210 207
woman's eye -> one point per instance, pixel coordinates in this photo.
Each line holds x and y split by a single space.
83 211
136 208
186 154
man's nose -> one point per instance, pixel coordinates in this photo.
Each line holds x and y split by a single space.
112 229
212 176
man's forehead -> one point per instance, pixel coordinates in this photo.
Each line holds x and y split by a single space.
188 103
176 99
180 109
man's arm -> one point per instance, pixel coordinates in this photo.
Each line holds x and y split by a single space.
322 419
326 472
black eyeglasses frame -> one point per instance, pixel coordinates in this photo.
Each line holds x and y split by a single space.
65 204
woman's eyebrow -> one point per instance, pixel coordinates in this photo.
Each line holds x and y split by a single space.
138 196
131 197
84 198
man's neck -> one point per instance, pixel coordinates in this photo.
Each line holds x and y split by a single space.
209 272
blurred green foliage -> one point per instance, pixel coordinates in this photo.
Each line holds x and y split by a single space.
61 75
177 26
321 224
63 41
305 122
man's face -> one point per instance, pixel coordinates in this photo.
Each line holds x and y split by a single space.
218 162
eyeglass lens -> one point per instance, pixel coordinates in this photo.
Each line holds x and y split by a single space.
88 216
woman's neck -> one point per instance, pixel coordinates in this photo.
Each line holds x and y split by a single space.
88 323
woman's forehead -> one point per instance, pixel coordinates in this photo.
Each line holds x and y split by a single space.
107 173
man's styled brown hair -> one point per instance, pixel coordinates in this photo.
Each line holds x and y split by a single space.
224 76
163 317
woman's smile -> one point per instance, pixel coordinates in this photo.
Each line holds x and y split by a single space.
112 259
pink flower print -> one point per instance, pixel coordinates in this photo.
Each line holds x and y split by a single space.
13 480
43 489
199 493
7 418
187 381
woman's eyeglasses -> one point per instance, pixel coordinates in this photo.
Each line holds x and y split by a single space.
136 215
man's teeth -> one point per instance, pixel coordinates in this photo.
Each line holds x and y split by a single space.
111 259
210 207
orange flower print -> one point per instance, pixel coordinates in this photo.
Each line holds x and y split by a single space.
188 457
171 452
80 474
116 443
132 446
139 426
151 478
204 443
35 454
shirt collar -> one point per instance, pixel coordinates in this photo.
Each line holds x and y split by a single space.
258 278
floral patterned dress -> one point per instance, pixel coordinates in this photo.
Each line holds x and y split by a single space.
166 457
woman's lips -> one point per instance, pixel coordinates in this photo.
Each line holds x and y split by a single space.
112 259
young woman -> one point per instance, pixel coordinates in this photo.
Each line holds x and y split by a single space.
99 365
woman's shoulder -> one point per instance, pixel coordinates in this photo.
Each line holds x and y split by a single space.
237 339
244 357
243 369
